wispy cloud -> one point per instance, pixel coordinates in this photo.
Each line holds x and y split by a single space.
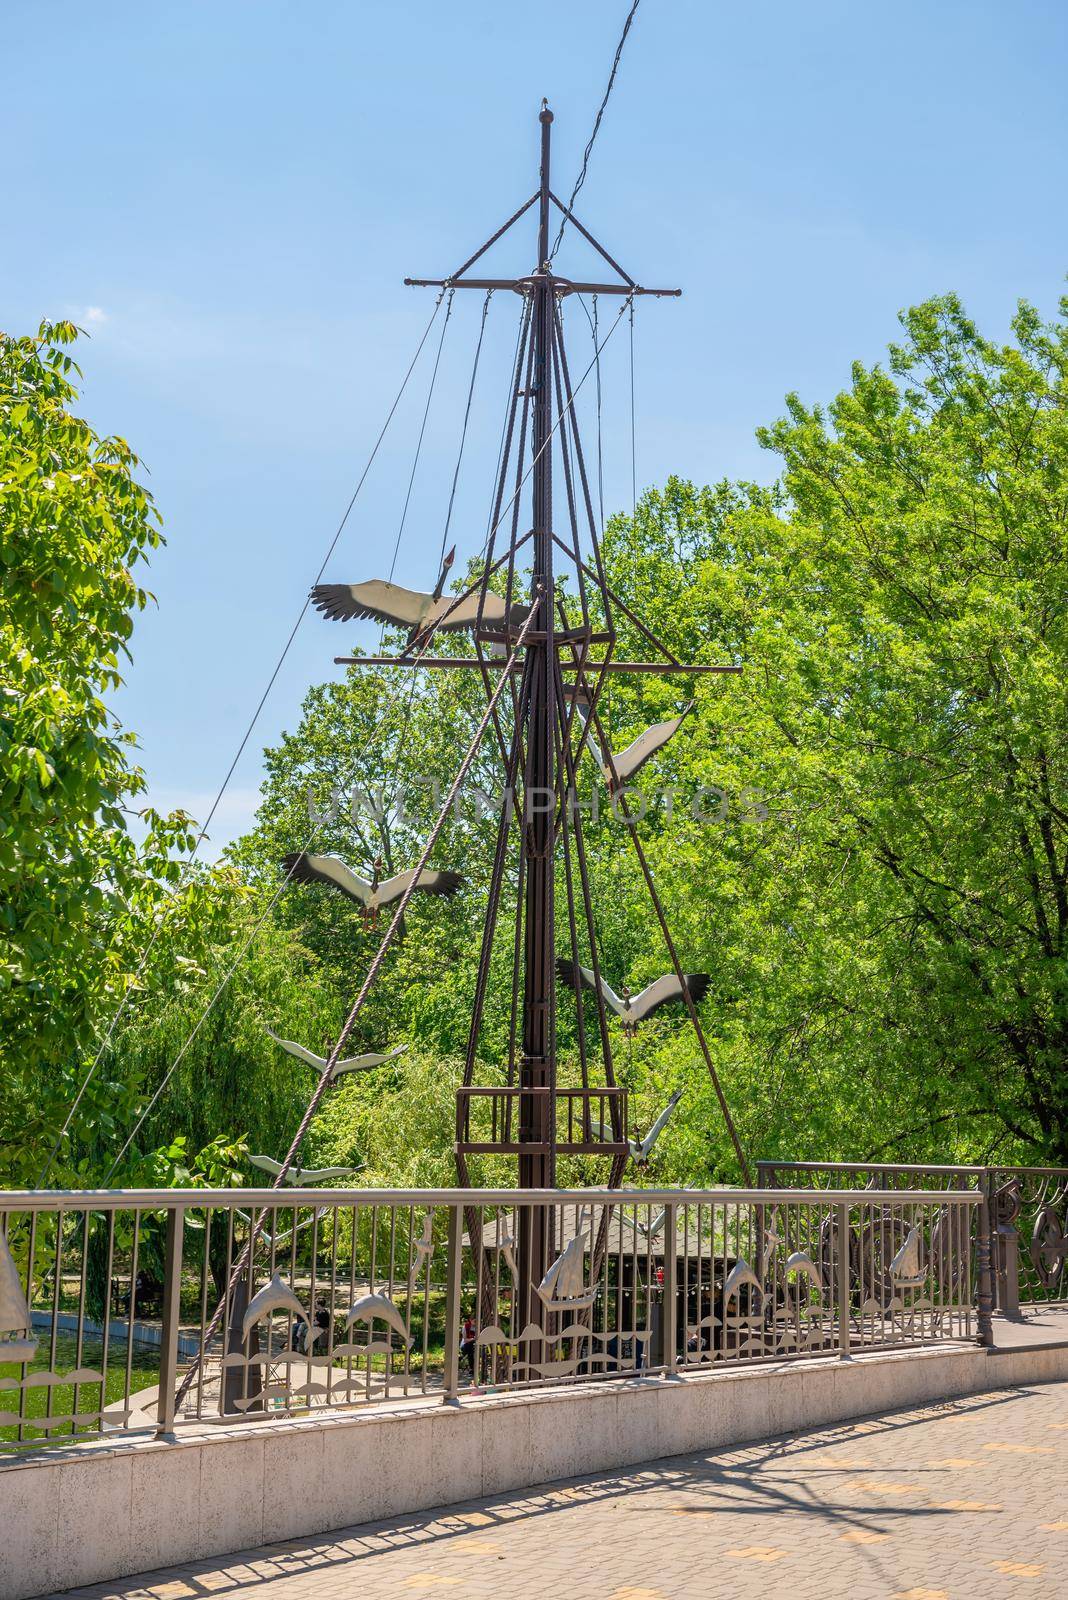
95 314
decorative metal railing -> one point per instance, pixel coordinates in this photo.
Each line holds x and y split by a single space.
1029 1206
1028 1209
359 1296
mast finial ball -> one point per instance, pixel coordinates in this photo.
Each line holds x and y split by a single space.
545 114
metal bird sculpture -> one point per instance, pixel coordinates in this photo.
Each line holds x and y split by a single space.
630 761
641 1149
410 608
651 1228
632 1009
300 1177
353 1064
273 1240
372 896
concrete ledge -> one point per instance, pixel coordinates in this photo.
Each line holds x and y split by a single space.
107 1508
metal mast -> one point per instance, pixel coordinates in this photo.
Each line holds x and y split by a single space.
537 1072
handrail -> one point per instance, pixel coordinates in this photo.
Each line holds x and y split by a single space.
160 1199
881 1166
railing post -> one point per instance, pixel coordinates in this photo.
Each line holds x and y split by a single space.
842 1280
669 1319
454 1269
172 1295
985 1297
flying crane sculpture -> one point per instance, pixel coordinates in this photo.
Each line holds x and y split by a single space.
620 769
632 1009
420 613
374 893
321 1063
301 1177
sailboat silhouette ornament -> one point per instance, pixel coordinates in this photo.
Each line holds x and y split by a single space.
16 1324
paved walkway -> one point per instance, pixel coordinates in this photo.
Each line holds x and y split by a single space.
962 1501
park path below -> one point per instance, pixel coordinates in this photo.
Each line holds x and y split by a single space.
966 1500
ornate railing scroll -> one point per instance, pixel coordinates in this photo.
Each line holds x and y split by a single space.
1028 1211
374 1296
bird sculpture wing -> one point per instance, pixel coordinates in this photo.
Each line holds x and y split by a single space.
265 1164
659 1125
385 602
320 1174
298 1050
450 613
430 882
662 990
362 1063
305 868
566 972
633 758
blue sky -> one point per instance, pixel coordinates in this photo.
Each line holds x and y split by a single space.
228 195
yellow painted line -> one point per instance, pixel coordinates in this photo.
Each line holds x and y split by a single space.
862 1536
1020 1569
757 1552
1023 1449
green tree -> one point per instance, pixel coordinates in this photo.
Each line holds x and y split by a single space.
79 895
890 944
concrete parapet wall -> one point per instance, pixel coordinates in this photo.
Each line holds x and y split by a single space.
104 1509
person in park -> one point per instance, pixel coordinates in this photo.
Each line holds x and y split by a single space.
467 1341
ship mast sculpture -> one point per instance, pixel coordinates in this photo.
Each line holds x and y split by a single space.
557 680
534 654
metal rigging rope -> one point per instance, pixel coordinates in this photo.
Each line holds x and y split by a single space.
202 834
467 418
418 452
581 179
633 436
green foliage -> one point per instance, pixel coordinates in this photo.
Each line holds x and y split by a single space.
79 897
890 945
876 878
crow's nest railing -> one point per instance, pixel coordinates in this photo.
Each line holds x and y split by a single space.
370 1296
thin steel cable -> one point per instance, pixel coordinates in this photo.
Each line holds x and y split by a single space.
467 418
581 179
418 453
203 833
448 514
415 663
600 452
633 435
513 385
